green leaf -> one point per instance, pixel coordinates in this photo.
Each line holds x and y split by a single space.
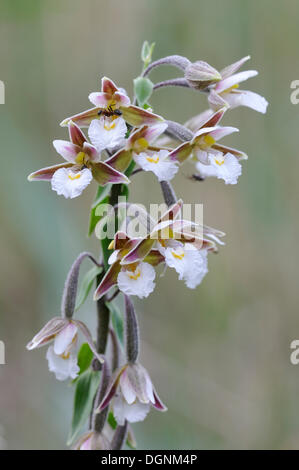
85 356
143 89
86 387
86 285
117 320
147 52
101 197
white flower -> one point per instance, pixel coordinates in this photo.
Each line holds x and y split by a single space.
70 183
158 163
228 88
63 366
133 412
107 132
190 263
132 393
221 166
138 281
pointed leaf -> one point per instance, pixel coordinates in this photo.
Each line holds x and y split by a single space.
117 320
86 387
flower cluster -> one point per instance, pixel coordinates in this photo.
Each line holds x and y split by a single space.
126 137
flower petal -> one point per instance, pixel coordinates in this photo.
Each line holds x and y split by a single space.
105 174
108 86
139 252
107 133
101 100
76 135
249 99
82 119
111 390
224 149
140 282
181 153
69 183
134 413
46 174
232 68
67 150
137 117
47 333
214 119
108 281
234 80
158 163
120 160
64 338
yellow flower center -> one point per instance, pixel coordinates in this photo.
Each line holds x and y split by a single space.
220 161
109 126
207 141
153 159
228 90
141 144
81 158
134 275
176 255
74 177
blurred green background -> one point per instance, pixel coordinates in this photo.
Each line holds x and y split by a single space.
219 355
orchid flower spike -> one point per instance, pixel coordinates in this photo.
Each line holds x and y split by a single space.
83 163
112 102
227 89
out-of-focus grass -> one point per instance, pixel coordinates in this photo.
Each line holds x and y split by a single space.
219 355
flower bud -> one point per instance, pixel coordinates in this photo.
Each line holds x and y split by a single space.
200 75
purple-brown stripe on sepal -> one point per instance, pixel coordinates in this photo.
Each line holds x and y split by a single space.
108 281
181 153
120 160
138 117
82 119
45 174
105 174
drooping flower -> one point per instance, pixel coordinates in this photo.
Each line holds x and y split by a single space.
134 278
132 394
214 159
83 163
222 167
190 263
183 244
113 102
227 89
61 355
